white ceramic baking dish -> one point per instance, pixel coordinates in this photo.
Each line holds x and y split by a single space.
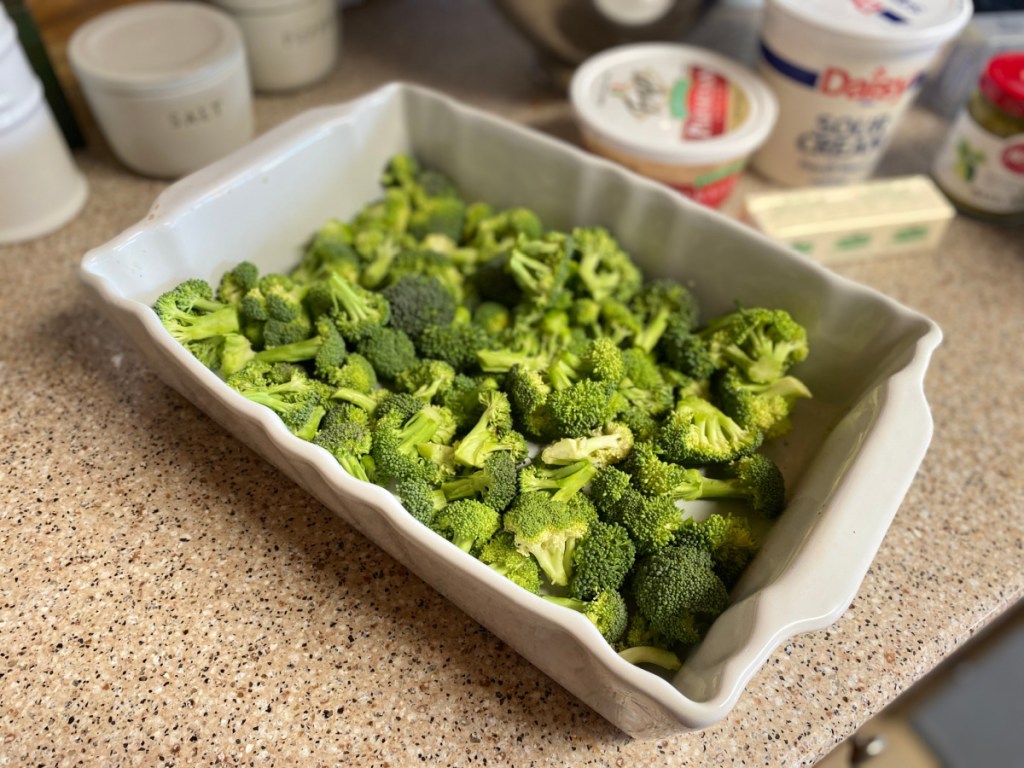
849 461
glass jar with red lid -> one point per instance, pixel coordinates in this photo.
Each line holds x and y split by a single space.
981 164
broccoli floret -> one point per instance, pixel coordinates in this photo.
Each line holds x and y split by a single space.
603 269
326 348
756 479
501 554
492 432
330 251
496 484
467 523
457 344
607 488
426 379
657 304
607 611
237 282
603 559
547 529
528 391
611 446
580 408
652 521
438 216
728 538
564 482
356 381
189 313
655 477
420 499
389 351
348 443
685 351
417 301
299 400
427 263
395 441
697 433
379 249
540 267
600 359
764 407
355 310
677 590
492 317
462 398
761 343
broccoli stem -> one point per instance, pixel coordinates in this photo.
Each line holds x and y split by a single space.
349 395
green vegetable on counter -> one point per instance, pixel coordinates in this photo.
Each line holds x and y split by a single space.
526 395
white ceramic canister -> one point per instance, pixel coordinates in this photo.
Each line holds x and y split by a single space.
41 188
167 83
289 43
682 115
844 72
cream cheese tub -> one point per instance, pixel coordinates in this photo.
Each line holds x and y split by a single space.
681 115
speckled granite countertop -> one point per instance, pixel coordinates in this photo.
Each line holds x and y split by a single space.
168 599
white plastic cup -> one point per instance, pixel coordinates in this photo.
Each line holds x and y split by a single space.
41 188
844 72
289 44
684 116
167 83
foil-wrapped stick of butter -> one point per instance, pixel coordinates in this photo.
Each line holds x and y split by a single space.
835 224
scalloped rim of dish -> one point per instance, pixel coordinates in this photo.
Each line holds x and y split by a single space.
902 395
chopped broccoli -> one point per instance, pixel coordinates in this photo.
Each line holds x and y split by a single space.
237 282
580 408
355 310
656 305
697 433
603 269
348 442
189 312
502 555
764 407
389 351
417 301
420 498
756 479
395 441
728 538
496 484
677 590
761 343
607 611
611 446
564 482
492 432
548 530
467 523
299 401
607 489
458 344
603 559
426 379
652 521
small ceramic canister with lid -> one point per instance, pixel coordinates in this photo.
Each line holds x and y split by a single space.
41 188
289 43
167 84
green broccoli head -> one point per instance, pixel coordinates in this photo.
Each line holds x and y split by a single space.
607 611
697 433
348 443
762 343
467 523
495 484
603 269
502 555
417 301
677 590
763 407
458 344
603 559
728 538
355 310
388 350
658 304
427 379
652 521
548 530
755 479
189 312
237 282
420 499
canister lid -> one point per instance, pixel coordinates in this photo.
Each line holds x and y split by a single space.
1003 83
674 104
901 23
155 47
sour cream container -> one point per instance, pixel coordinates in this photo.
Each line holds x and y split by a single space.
678 114
844 72
167 83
